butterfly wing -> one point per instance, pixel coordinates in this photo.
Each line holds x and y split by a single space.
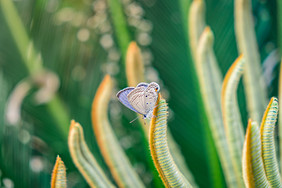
142 84
141 99
151 96
122 97
137 100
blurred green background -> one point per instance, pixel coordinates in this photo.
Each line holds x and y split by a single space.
80 42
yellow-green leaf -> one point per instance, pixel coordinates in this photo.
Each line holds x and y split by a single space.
59 179
252 164
84 160
280 114
114 156
161 155
232 118
196 24
268 143
210 79
134 65
135 75
246 39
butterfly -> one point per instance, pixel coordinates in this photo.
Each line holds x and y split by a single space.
141 99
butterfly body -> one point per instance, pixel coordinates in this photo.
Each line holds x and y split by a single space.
141 99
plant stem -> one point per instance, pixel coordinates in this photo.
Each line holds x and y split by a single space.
120 26
20 36
184 6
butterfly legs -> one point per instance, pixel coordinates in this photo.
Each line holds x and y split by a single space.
134 119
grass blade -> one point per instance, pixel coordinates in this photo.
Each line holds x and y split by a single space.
59 179
268 145
114 156
246 40
252 164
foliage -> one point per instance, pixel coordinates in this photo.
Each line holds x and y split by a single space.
54 55
59 178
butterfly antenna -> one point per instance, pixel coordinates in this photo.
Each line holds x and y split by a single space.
134 119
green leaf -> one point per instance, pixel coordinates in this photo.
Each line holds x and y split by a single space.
279 21
210 79
246 40
232 118
135 75
280 114
179 160
268 143
196 25
84 160
59 179
161 155
113 154
252 163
